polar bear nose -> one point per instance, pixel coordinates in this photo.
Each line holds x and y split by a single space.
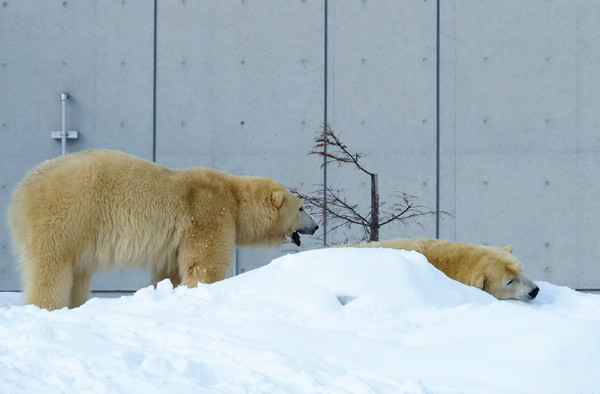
533 293
309 230
307 224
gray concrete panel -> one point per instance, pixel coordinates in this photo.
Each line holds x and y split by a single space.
516 76
381 102
237 79
99 53
521 200
240 89
519 136
587 208
588 82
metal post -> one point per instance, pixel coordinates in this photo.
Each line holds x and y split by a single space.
63 133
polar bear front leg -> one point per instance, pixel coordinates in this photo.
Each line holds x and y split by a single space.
47 282
207 260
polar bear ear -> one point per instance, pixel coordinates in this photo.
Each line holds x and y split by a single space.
508 248
277 198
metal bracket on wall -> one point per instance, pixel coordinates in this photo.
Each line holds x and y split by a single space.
63 135
57 135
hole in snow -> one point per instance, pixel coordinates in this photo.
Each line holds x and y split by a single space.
344 299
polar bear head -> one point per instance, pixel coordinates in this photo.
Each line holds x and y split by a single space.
501 275
293 217
271 214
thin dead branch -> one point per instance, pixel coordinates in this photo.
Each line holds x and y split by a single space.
336 212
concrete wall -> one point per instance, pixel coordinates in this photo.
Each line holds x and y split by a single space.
101 53
244 86
519 132
381 100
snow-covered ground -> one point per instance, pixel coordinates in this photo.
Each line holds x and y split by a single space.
329 321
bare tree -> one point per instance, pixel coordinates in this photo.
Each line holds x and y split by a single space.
338 212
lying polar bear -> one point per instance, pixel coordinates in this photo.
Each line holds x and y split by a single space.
492 269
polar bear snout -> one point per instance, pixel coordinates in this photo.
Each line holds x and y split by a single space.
528 289
307 223
533 293
310 230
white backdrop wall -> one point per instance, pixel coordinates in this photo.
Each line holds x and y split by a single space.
244 87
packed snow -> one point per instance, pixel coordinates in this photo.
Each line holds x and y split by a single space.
322 321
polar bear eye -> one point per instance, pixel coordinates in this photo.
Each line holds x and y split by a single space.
510 281
301 209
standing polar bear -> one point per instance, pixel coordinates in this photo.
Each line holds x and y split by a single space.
492 269
100 209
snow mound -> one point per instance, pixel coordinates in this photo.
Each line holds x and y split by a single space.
331 320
